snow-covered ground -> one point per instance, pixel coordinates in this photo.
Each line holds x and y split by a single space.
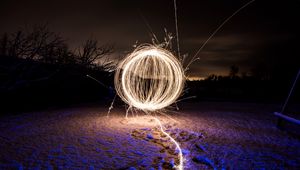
212 135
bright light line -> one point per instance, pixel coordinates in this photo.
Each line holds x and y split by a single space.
180 156
216 30
150 78
177 30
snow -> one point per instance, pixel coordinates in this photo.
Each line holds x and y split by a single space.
149 136
203 159
212 135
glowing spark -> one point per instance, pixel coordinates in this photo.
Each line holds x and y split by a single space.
150 78
111 106
176 27
216 30
180 166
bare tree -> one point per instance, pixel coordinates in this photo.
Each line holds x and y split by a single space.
41 44
15 44
41 40
34 44
90 52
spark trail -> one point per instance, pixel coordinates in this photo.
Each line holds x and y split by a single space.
180 156
150 78
102 84
177 30
216 30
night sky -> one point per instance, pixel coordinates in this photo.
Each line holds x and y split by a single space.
263 31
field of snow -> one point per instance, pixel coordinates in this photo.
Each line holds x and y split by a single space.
212 136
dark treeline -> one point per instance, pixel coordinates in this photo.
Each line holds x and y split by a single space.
38 70
259 85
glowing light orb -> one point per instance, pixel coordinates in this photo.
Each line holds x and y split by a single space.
150 78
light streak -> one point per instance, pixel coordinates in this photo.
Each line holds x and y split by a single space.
176 27
180 166
111 106
150 78
194 58
97 81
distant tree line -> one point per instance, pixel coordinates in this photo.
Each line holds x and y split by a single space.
259 85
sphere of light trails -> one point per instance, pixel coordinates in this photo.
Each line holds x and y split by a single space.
150 78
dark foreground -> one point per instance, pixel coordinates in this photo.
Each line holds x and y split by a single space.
212 136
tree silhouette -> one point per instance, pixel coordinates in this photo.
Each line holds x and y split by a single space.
38 44
43 45
50 50
91 51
